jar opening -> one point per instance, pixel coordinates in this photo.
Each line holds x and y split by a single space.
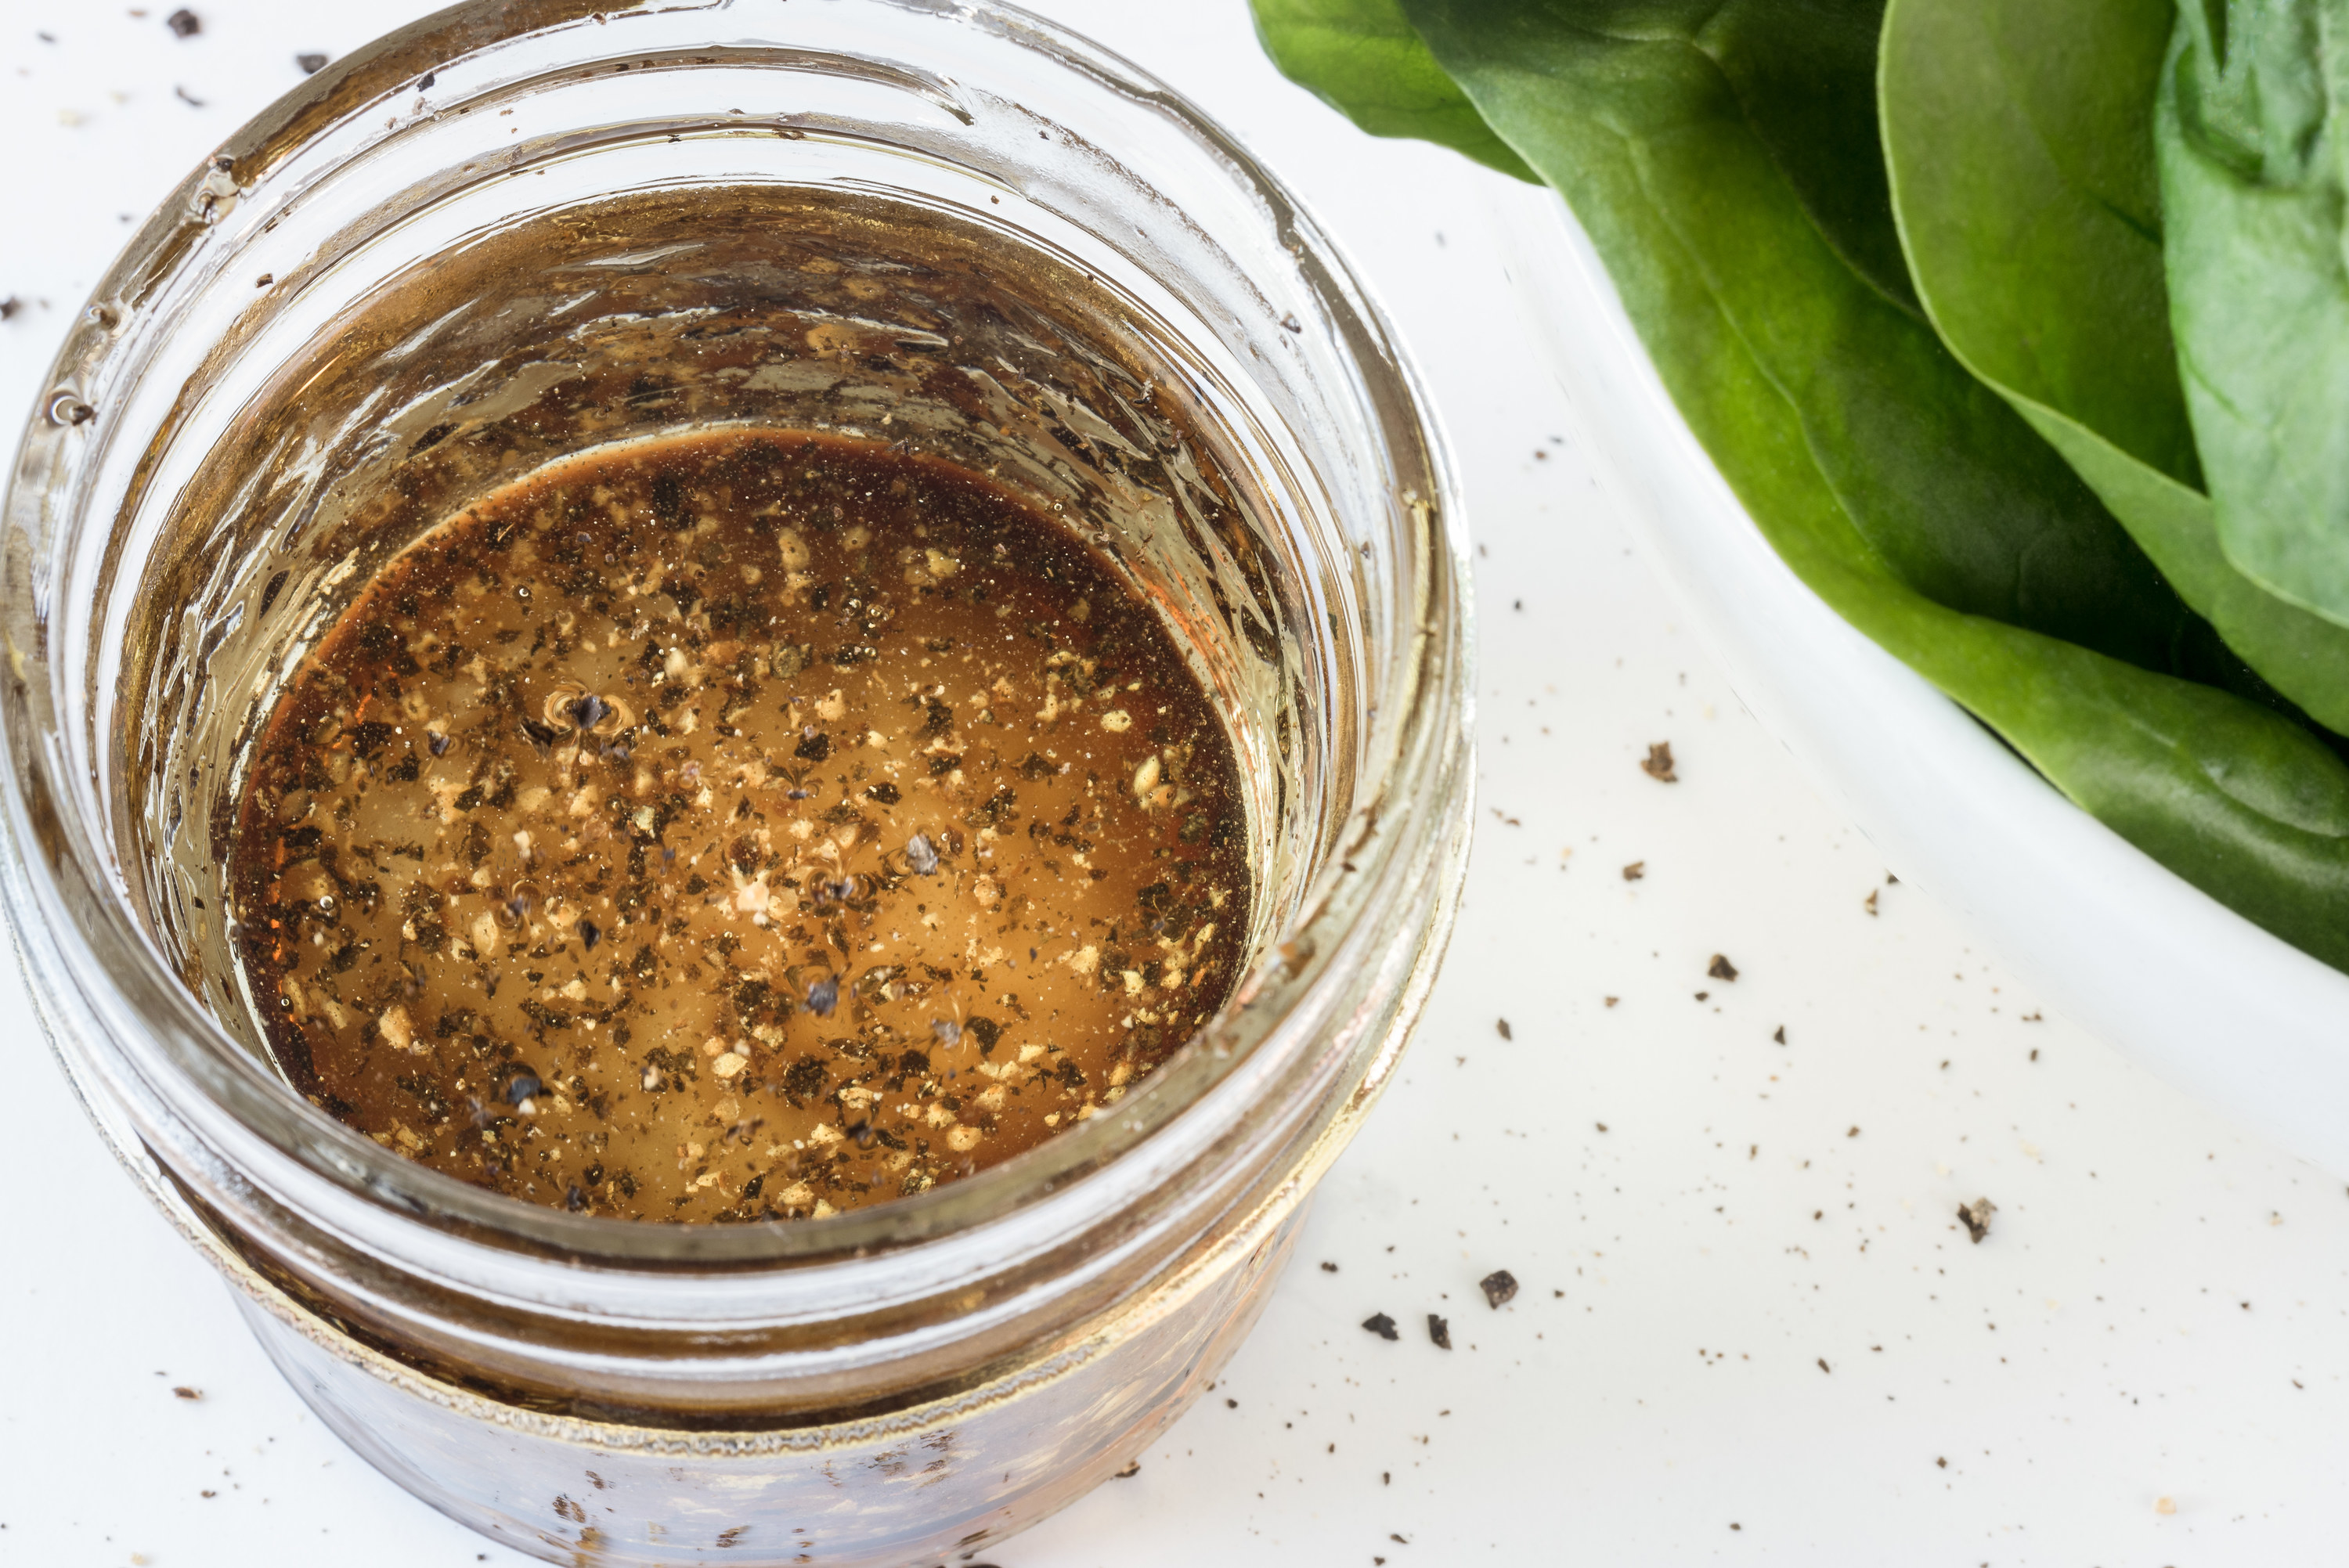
1195 385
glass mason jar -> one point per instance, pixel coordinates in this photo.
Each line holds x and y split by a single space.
944 223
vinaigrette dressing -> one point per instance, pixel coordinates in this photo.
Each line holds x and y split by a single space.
744 825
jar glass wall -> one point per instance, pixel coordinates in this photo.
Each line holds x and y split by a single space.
1068 277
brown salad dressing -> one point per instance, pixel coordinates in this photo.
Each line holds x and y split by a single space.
745 825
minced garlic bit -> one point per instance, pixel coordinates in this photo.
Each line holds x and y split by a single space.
737 827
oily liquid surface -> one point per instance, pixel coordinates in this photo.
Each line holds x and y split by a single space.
737 827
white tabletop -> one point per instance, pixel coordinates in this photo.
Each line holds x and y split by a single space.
1750 1326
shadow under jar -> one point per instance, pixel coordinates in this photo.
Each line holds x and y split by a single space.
511 234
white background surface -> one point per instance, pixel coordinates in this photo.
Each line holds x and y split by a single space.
1751 1328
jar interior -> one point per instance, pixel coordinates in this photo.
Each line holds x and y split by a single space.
398 377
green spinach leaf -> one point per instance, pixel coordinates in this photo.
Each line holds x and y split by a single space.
1804 74
1626 108
1363 59
2251 135
1892 482
2019 137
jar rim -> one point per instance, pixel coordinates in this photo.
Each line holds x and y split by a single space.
66 900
